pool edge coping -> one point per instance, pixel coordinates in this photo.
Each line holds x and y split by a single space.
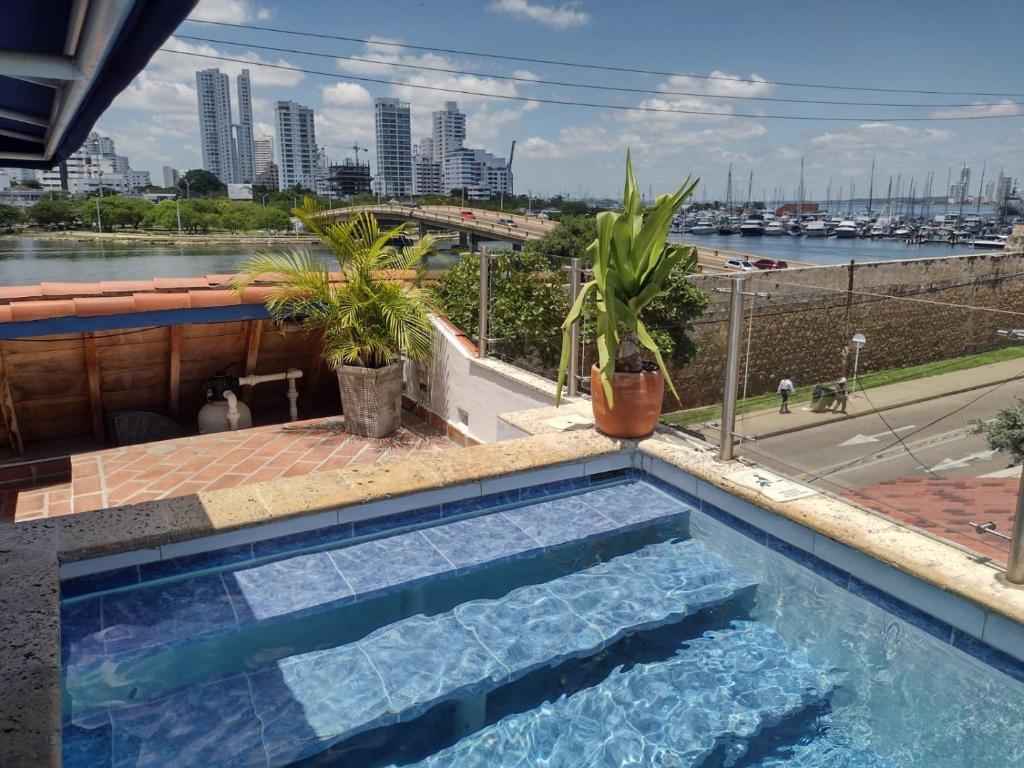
33 552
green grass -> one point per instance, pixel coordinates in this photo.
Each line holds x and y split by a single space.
697 416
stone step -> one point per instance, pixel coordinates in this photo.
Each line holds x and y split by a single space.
824 751
711 698
301 705
161 617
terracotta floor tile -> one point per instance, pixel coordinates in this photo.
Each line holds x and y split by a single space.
300 468
89 502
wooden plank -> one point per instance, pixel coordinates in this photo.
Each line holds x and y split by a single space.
130 336
253 335
206 330
129 356
312 373
7 408
174 383
92 371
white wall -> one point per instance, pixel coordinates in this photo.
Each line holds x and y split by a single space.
470 392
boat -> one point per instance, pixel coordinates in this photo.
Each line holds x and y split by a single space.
726 226
775 228
847 229
703 226
752 225
816 228
998 241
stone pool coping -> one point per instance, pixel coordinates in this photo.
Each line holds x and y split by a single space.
33 554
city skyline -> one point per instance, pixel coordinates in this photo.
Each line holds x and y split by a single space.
577 150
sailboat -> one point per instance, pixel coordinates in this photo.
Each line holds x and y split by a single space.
725 224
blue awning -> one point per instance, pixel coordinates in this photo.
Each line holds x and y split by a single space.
62 62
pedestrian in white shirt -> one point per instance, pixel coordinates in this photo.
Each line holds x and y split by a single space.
786 389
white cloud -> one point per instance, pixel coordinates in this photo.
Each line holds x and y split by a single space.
230 11
174 66
880 136
719 83
346 95
1002 108
560 16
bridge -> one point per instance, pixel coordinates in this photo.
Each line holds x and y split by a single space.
483 225
480 225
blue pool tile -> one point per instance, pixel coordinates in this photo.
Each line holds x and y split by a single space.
304 702
197 562
303 540
480 503
400 520
409 557
837 576
901 610
633 503
554 488
613 475
677 493
414 671
719 514
98 582
283 587
479 539
554 522
165 613
83 747
208 725
81 638
989 655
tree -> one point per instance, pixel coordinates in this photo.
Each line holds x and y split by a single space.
29 184
200 182
9 215
54 212
568 240
272 219
1005 433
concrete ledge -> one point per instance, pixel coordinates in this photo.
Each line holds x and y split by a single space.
32 554
929 560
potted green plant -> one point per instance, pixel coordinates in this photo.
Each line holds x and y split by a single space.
632 262
370 319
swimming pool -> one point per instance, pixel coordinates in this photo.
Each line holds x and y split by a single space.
604 620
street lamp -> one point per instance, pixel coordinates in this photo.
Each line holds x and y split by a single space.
177 209
858 341
188 190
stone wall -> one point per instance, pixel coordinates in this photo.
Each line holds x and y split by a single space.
803 328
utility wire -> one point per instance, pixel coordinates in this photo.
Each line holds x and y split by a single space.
567 103
623 89
602 67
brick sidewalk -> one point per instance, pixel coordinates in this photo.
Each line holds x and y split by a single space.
137 473
945 507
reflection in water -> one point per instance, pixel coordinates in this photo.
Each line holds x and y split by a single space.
24 261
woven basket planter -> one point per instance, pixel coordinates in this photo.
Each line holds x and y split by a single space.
371 398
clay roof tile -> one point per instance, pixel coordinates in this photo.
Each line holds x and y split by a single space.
41 310
93 306
71 289
177 283
20 291
213 298
154 302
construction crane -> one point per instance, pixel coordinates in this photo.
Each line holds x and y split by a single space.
508 167
356 149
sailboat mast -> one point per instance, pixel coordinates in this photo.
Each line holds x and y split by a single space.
871 188
800 193
981 188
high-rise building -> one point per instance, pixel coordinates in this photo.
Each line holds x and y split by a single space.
480 173
1003 187
94 166
426 172
349 178
171 176
449 131
297 153
243 131
214 95
394 147
262 153
268 176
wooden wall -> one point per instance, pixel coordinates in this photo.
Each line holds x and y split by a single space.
59 387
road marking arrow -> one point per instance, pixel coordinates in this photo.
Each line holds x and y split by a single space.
862 439
945 464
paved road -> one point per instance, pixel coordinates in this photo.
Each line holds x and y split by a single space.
946 447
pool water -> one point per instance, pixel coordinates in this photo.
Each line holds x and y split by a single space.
611 624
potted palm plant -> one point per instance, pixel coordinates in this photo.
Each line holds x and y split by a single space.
369 320
632 262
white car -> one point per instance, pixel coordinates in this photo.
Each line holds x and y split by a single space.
743 266
506 220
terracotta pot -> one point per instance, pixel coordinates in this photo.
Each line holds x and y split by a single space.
638 398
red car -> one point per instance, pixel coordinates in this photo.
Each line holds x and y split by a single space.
467 214
770 264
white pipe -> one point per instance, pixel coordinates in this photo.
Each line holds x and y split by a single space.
233 414
250 381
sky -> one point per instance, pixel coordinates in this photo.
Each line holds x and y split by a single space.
750 48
